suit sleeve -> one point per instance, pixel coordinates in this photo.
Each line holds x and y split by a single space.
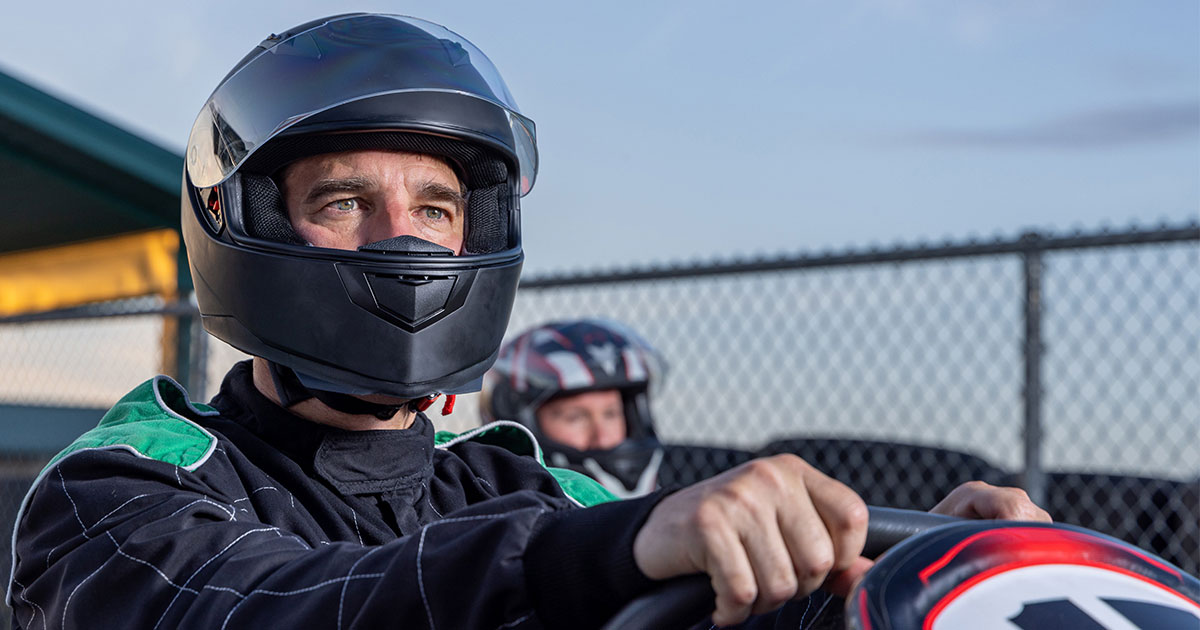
109 540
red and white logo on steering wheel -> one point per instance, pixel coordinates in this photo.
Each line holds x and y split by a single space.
1008 576
1048 578
1064 596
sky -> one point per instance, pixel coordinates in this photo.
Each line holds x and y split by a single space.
693 130
697 130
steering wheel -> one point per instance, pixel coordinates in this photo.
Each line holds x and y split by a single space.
682 602
953 573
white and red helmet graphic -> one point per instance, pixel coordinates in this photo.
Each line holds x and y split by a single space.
567 357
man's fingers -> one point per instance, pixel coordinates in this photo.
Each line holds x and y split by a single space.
834 512
979 500
754 505
809 545
844 514
1012 504
764 532
732 576
823 524
773 571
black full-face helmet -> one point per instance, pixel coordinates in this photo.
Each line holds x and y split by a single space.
571 357
402 317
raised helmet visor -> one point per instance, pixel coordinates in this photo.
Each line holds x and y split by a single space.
366 56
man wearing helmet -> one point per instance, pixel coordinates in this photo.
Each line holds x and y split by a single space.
351 213
582 388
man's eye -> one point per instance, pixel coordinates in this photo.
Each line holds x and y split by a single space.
435 214
345 205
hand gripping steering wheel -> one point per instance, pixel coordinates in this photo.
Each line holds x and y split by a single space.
947 573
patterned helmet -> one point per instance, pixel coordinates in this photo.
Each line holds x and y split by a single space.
571 357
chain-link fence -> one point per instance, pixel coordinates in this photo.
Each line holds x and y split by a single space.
1069 364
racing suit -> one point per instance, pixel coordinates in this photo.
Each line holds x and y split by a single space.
172 514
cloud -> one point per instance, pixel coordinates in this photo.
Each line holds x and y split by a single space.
1115 127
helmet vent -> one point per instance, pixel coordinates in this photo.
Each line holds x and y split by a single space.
411 299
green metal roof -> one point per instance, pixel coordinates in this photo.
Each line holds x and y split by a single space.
67 175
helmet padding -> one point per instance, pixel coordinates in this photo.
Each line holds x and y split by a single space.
484 175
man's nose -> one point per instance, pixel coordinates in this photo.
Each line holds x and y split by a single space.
604 435
392 221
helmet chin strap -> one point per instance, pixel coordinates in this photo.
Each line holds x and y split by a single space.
292 391
646 483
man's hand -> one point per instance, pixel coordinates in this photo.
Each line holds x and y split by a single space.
765 532
979 500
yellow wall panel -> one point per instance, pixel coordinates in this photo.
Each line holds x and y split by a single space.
124 266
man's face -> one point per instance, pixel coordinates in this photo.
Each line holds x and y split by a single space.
347 200
587 421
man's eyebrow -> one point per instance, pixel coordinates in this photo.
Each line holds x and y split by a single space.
435 191
340 185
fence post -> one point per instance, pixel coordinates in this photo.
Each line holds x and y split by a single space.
180 337
198 360
1034 475
191 360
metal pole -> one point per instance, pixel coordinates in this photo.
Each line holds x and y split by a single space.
1035 475
183 348
198 372
180 325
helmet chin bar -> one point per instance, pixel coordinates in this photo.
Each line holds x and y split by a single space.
647 481
628 470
